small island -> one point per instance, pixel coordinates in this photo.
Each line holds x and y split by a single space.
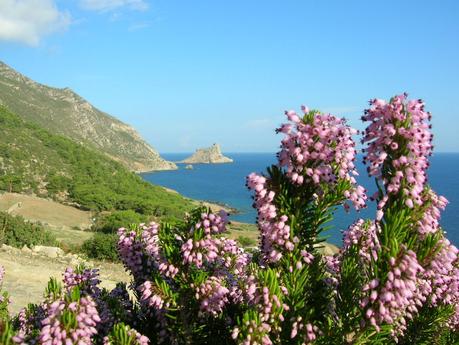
211 155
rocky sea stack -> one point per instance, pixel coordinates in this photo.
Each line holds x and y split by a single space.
211 155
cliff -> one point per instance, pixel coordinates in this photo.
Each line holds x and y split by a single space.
63 112
211 155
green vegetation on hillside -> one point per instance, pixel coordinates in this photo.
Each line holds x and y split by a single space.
63 112
110 223
16 232
102 247
34 160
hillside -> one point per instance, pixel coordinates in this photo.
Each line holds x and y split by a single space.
63 112
210 155
33 160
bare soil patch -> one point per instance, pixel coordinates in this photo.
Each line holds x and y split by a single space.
48 212
28 273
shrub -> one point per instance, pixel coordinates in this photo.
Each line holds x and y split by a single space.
110 223
101 247
395 279
246 241
16 232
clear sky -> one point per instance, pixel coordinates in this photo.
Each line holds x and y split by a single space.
187 74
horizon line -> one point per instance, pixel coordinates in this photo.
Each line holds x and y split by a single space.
271 152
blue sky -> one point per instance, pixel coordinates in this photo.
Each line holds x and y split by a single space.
187 74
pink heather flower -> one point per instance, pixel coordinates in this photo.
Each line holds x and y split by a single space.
275 232
320 150
86 279
2 274
213 296
54 330
208 251
396 127
433 204
307 331
292 116
398 299
258 333
269 308
443 275
364 235
219 252
150 296
139 338
140 251
213 223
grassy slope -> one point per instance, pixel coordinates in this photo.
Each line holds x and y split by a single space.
34 160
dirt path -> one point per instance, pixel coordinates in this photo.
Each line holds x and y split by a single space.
27 274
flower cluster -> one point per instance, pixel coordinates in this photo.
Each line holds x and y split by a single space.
2 274
443 275
73 322
202 249
400 297
130 250
213 296
28 321
430 221
86 279
221 257
218 252
257 333
269 309
275 231
140 251
124 335
212 223
319 150
150 240
399 140
364 235
4 299
308 330
150 297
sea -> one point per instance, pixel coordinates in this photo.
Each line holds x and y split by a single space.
225 184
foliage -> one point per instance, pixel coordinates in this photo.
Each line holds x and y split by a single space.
395 279
101 247
246 241
110 223
16 232
35 160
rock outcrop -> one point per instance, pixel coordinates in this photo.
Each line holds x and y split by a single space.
63 112
211 155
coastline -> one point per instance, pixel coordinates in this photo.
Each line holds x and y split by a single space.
214 205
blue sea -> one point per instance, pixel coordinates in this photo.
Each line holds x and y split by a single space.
225 183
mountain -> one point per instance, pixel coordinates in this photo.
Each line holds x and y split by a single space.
210 155
33 160
63 112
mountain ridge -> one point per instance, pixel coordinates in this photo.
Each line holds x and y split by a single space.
64 112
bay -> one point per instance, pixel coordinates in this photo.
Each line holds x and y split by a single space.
225 183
